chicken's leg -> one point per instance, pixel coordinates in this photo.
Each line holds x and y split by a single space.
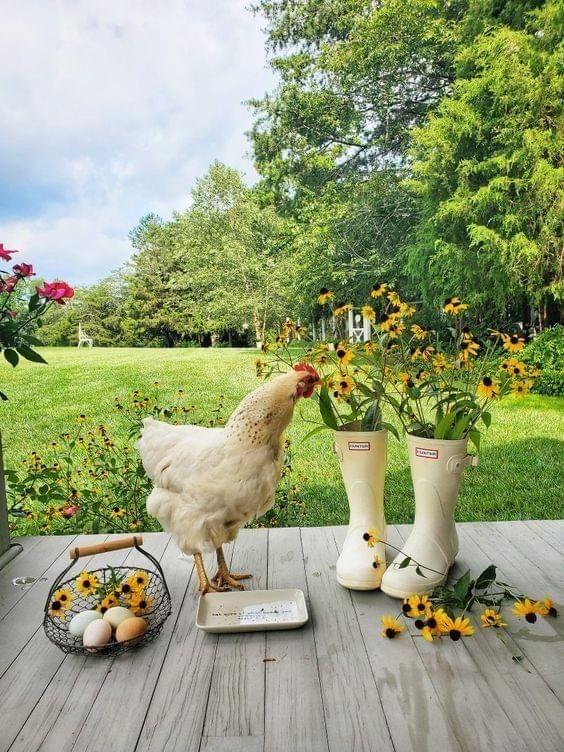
205 585
224 576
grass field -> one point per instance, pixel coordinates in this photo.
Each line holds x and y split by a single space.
519 475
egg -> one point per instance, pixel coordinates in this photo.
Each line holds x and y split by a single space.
80 621
131 628
97 634
116 615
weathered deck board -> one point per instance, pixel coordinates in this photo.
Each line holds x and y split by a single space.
333 685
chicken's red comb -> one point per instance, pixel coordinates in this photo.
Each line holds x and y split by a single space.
306 367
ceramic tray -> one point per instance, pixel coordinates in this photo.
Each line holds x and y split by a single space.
252 610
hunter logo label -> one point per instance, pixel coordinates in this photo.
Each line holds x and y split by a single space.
359 446
428 454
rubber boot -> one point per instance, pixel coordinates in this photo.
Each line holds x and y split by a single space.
362 456
436 471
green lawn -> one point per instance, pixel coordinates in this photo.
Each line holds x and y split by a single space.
519 475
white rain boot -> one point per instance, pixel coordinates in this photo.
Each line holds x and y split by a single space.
362 457
436 470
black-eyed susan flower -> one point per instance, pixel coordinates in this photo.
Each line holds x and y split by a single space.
138 580
386 321
325 296
344 353
342 308
394 299
371 537
488 388
419 332
368 312
57 609
468 347
513 342
391 627
548 603
407 310
117 512
64 596
514 367
457 628
377 562
492 618
454 306
108 601
521 387
370 347
422 353
406 381
87 583
378 290
420 605
395 329
139 603
529 610
440 363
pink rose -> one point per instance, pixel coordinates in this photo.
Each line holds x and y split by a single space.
57 291
24 270
8 284
5 254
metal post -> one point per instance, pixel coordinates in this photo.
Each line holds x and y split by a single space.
367 329
7 550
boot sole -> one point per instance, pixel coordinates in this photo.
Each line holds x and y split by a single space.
351 585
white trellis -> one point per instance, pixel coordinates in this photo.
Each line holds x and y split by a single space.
83 339
359 328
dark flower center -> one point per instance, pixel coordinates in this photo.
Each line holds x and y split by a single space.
56 605
406 608
86 583
486 381
419 623
464 345
140 580
390 632
514 339
552 611
531 618
421 607
142 604
432 622
125 588
341 353
116 509
366 536
454 635
344 384
323 291
375 564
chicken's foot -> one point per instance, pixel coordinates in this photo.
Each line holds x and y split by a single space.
205 586
224 577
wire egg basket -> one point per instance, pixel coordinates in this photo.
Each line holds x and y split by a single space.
152 601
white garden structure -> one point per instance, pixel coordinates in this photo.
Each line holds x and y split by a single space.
83 339
358 328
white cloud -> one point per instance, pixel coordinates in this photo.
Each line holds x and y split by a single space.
109 110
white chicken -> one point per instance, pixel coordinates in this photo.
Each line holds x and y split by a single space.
208 482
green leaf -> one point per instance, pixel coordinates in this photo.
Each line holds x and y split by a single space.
487 419
391 428
460 427
33 302
311 433
474 435
460 587
372 418
444 425
405 563
3 396
326 409
12 357
486 578
30 354
419 572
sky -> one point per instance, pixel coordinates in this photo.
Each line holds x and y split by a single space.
111 109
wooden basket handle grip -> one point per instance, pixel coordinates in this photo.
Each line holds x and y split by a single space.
102 548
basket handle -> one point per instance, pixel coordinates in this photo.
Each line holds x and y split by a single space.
105 546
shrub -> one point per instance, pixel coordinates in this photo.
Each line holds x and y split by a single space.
547 351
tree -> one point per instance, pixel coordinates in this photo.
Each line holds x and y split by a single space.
488 173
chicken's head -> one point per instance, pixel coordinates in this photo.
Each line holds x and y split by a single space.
309 379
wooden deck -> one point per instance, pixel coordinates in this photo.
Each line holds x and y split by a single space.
332 685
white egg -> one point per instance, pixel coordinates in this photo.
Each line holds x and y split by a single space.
97 634
117 614
79 622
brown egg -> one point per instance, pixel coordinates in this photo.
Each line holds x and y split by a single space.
131 628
